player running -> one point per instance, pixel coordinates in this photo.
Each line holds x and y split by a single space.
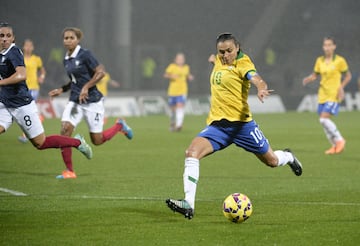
85 100
17 103
35 74
229 120
178 73
330 67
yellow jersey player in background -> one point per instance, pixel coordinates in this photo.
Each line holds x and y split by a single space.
35 75
103 84
178 73
229 120
335 75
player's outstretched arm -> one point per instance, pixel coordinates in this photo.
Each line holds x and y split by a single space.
261 86
308 79
58 91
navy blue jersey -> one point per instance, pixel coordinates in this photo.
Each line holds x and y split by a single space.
80 68
14 95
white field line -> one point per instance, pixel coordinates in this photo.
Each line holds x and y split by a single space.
143 198
211 200
12 192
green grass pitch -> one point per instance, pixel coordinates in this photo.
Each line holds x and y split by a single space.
119 195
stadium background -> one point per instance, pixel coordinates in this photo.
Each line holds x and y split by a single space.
283 38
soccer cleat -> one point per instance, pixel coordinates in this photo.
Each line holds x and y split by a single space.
339 146
331 151
84 147
67 175
22 139
181 206
125 129
295 165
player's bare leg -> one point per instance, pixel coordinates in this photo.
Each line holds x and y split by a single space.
281 158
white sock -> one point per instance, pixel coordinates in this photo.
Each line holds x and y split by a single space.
284 157
180 113
332 133
191 177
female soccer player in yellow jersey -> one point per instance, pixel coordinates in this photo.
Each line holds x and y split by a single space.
230 120
178 73
330 67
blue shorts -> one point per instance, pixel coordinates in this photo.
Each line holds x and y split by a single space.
246 135
34 94
177 99
329 107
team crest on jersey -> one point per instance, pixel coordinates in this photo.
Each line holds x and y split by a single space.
77 63
3 59
230 67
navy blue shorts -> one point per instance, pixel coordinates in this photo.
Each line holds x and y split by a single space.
246 135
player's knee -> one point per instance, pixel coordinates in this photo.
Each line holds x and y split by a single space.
191 152
97 138
38 143
38 146
272 163
66 129
96 141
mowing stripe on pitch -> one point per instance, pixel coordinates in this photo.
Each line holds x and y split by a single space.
12 192
143 198
220 199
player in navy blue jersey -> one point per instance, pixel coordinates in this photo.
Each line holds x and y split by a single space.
85 100
16 102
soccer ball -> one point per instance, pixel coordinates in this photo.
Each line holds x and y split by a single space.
237 207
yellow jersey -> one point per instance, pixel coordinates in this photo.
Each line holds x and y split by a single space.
32 64
330 77
178 86
230 89
103 83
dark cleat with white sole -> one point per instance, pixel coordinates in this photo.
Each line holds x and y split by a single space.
181 206
296 166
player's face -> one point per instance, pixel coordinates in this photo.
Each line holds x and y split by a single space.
6 37
227 51
70 40
28 47
329 47
180 59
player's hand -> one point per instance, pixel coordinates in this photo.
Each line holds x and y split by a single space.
212 59
341 94
262 94
55 92
41 79
305 81
84 95
190 77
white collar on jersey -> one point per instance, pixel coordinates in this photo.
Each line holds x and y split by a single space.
7 50
74 54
